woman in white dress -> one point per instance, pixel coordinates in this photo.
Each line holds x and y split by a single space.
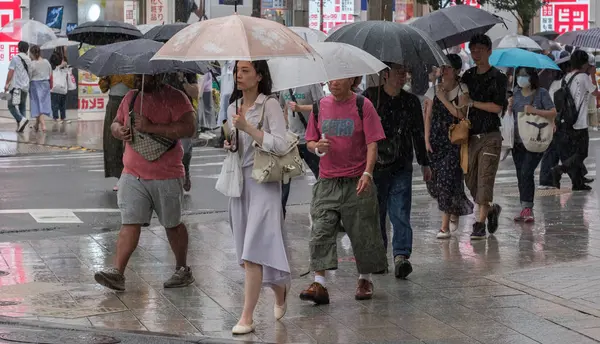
257 216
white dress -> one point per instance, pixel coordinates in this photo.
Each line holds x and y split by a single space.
256 217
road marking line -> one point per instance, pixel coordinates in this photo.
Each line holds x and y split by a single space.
25 166
54 216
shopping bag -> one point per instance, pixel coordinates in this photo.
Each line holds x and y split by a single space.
535 131
508 130
71 83
59 81
230 181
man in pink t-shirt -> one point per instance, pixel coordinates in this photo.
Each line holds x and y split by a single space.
147 186
345 128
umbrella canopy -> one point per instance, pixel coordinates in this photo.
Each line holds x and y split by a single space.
516 57
163 33
516 41
337 61
144 28
235 37
391 42
103 32
310 35
456 24
543 42
584 39
551 35
30 31
59 42
133 57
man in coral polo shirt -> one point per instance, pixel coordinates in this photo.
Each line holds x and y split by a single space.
344 191
147 186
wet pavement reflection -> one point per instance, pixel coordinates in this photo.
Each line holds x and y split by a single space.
527 284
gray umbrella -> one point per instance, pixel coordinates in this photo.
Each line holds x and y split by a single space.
391 42
542 41
163 33
102 32
584 38
133 57
455 25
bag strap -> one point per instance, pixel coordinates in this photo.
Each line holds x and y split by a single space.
24 64
262 115
132 103
300 115
360 102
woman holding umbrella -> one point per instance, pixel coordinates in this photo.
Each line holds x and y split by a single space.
39 88
445 104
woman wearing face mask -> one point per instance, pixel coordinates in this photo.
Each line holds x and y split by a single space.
445 105
257 216
528 97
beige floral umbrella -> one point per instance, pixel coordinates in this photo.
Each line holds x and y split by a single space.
235 37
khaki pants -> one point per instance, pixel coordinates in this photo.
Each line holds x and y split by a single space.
335 200
484 157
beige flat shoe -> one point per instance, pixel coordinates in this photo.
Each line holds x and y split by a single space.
279 311
243 329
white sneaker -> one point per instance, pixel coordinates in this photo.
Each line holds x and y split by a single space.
444 234
204 136
545 187
212 135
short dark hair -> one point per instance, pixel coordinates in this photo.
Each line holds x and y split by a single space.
534 78
579 58
481 39
23 47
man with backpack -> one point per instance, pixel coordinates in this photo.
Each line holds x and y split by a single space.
17 84
344 130
297 104
572 134
402 119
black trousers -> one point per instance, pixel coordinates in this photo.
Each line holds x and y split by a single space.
573 145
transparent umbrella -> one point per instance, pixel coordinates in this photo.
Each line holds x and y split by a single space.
30 31
59 42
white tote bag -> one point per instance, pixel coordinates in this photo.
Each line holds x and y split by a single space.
231 180
59 81
71 82
535 131
508 130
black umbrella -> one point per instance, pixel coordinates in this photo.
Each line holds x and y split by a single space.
133 57
455 25
103 32
583 38
163 33
542 41
391 42
551 35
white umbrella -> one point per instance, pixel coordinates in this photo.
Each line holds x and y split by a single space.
516 41
59 42
338 61
308 34
144 28
30 31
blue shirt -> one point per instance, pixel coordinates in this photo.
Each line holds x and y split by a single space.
542 101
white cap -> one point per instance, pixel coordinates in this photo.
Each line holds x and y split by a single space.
591 59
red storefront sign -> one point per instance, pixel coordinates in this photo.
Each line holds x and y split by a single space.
9 10
571 17
92 103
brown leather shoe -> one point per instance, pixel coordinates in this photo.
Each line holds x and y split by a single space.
315 293
364 291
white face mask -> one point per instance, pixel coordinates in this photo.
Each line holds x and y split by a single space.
523 81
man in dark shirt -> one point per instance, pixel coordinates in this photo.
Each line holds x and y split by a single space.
188 84
487 92
402 120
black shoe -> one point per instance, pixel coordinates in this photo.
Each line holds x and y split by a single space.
587 180
582 187
556 176
478 231
402 267
492 217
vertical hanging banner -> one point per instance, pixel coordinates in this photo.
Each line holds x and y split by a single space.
156 11
335 12
130 12
9 10
565 15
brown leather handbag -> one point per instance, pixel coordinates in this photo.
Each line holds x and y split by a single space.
459 132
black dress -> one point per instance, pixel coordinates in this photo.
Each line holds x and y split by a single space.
447 183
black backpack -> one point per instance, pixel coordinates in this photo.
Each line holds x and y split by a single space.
567 110
360 101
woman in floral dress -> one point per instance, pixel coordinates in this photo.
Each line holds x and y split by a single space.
445 105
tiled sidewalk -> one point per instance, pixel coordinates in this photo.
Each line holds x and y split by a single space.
457 294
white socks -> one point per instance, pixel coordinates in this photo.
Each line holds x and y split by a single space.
367 277
320 280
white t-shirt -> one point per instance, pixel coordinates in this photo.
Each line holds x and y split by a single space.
457 91
21 76
581 89
554 87
40 70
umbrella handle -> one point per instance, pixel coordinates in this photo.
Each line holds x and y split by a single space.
317 153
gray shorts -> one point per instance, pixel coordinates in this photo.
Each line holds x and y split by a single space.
137 198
